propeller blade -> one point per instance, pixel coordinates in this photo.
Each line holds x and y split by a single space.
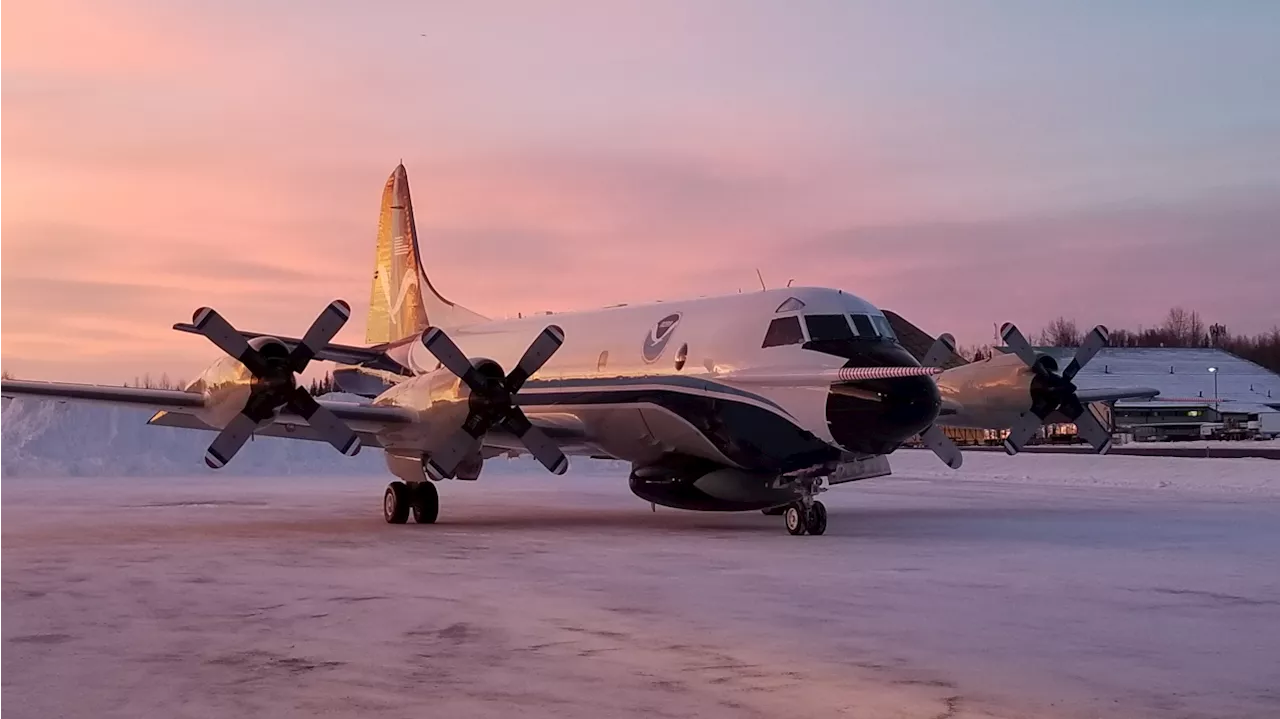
941 351
217 330
442 463
542 447
229 441
1021 432
321 332
539 351
324 422
1092 431
942 446
1014 340
1096 340
443 348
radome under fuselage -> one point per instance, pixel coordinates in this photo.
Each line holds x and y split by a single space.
648 381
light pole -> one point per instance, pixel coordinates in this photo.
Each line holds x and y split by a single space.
1214 371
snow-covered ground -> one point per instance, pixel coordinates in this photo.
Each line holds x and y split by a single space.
1045 585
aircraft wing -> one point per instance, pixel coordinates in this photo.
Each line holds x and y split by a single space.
103 394
1111 394
374 356
365 420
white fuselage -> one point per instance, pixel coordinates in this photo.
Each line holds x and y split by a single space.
642 381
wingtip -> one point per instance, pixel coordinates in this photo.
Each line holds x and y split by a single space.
1010 448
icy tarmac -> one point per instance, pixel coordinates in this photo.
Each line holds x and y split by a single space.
1030 586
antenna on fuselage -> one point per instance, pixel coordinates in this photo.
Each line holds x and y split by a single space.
761 279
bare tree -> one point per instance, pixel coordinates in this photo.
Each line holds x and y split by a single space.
1177 327
1061 332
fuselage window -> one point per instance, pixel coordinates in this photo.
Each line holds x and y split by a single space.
783 331
681 356
603 361
882 325
863 323
828 327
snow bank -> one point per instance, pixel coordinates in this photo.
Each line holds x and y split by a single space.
55 439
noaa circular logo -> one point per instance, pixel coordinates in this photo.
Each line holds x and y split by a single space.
658 337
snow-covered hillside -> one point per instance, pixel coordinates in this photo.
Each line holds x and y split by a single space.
52 439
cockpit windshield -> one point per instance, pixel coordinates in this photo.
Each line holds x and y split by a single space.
883 328
784 331
827 328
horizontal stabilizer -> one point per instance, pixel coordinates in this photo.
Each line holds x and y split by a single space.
374 356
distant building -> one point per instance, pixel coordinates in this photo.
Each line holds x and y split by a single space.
1204 393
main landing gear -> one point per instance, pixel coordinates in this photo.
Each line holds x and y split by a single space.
420 498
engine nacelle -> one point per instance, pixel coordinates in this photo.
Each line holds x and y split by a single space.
712 489
441 401
992 393
228 385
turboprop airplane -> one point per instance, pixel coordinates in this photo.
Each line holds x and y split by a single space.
753 401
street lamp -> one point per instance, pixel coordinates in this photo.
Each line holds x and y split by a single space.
1214 371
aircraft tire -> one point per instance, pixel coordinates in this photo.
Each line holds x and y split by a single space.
395 503
796 519
426 503
817 519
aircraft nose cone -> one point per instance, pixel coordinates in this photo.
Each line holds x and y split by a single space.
877 416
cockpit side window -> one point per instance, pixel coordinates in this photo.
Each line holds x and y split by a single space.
783 331
883 327
828 327
865 328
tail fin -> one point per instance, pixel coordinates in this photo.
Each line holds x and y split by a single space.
402 302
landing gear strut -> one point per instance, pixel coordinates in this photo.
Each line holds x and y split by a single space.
420 498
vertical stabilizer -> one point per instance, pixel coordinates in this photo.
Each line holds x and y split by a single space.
403 303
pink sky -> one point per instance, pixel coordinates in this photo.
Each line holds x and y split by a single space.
959 166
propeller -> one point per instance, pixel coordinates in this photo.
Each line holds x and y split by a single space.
492 401
1051 391
274 383
942 350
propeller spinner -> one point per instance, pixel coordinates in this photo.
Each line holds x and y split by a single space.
275 385
1052 391
492 402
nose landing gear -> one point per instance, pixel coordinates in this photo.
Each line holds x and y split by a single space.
806 520
806 515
